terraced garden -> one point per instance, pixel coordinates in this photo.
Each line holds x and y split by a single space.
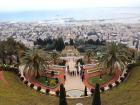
13 92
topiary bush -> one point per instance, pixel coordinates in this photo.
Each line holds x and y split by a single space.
16 71
32 85
125 75
56 80
38 88
19 75
117 83
57 93
102 89
122 79
47 91
26 82
110 86
52 73
92 90
21 78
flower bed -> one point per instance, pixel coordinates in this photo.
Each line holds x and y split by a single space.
49 82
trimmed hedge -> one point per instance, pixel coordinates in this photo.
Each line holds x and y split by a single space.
57 80
122 79
32 85
117 83
110 86
19 75
102 89
92 90
38 88
26 82
57 93
47 91
21 78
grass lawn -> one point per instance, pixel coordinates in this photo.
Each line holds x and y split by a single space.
94 80
16 93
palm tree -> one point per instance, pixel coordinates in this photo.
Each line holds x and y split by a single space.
20 48
114 54
89 55
34 61
9 49
54 56
10 44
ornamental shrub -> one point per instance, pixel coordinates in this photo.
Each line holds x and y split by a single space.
32 85
19 75
56 80
117 83
92 91
122 79
38 88
57 93
47 91
110 86
52 73
102 89
26 82
21 78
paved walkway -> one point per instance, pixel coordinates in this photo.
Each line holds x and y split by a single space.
73 82
75 93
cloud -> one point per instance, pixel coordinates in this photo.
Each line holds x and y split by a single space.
23 5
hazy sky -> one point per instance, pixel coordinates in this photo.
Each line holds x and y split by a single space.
28 5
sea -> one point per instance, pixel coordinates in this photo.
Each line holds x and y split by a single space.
128 14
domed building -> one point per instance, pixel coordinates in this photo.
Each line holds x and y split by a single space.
70 51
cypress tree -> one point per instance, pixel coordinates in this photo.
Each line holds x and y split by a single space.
85 92
62 97
71 42
96 97
59 44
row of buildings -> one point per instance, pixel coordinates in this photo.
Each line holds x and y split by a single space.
28 32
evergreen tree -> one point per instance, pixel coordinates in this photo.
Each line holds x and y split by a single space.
115 54
62 97
85 92
96 97
71 42
59 44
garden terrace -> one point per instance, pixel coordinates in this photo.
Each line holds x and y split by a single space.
128 93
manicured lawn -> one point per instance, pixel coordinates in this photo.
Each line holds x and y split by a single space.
49 82
16 93
94 80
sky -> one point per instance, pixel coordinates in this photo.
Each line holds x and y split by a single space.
29 5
